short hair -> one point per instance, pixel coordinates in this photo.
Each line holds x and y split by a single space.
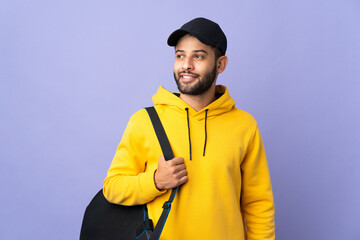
218 52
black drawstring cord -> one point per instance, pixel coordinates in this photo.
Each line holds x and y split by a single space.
188 123
206 111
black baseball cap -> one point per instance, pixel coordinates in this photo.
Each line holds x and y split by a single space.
207 31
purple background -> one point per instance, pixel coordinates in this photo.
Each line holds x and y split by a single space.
72 73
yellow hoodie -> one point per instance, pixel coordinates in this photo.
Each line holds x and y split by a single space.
229 182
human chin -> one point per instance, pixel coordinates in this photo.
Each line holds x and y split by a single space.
184 87
197 87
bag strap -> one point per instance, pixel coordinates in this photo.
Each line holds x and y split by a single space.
168 155
160 133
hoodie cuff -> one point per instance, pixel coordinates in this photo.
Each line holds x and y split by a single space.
148 185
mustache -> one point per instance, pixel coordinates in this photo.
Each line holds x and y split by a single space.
189 72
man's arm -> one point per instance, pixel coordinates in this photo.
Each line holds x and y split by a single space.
257 199
127 182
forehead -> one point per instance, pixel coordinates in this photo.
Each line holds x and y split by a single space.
191 43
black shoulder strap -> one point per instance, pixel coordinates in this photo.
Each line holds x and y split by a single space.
160 133
168 155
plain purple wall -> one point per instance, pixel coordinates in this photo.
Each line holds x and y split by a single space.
72 73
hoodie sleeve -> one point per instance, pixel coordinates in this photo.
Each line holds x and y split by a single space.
257 200
127 181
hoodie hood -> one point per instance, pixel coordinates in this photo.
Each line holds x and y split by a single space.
222 104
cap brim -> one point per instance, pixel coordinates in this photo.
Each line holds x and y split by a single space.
175 36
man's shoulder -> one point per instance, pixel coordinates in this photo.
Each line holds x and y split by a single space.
139 123
243 115
139 116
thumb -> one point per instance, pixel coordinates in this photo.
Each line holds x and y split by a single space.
161 159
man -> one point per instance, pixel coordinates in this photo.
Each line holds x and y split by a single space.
219 161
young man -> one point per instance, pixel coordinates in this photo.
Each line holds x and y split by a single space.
219 161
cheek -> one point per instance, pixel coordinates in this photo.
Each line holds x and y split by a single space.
177 67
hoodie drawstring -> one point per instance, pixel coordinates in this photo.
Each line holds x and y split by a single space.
206 111
188 124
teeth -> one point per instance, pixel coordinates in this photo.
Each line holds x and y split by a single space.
187 77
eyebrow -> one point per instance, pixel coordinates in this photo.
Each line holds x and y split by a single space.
195 51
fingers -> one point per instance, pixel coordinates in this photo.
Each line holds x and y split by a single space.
181 174
177 161
175 166
170 173
174 161
183 180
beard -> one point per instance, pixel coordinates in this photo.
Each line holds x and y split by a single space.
199 87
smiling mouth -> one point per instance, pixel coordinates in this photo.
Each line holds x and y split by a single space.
188 77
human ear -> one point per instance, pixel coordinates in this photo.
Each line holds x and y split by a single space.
221 64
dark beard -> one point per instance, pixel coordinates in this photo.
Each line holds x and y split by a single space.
201 86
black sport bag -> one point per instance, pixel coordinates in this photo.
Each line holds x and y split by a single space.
106 221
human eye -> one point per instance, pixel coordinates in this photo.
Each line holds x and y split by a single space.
179 56
198 56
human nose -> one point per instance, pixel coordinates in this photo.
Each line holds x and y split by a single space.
187 64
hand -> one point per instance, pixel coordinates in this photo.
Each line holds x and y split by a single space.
170 174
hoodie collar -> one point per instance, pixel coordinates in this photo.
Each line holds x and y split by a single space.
221 105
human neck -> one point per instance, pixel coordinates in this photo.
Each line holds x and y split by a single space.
198 102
